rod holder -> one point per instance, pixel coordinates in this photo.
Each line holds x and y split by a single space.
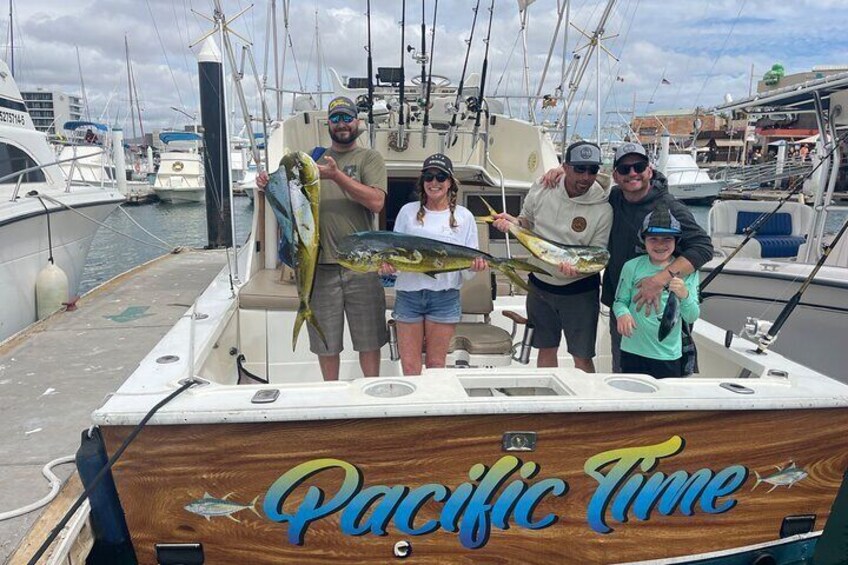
526 344
394 352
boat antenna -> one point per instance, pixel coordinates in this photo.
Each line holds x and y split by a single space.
129 82
483 76
757 225
429 79
766 340
371 132
450 140
401 123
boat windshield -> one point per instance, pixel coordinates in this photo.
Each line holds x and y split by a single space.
14 159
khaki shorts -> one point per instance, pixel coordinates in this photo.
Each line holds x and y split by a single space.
340 292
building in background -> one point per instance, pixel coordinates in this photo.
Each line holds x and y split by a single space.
50 109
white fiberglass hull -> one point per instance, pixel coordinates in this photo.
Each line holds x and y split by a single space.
700 191
181 194
26 249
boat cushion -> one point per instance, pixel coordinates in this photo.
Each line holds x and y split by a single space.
272 289
481 339
778 224
779 245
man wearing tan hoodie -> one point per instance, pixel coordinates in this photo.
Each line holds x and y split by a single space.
576 212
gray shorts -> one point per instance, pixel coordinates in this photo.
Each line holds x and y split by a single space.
574 314
338 292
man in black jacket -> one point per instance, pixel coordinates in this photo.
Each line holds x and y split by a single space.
639 188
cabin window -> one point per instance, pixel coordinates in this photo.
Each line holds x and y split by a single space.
401 191
14 159
476 206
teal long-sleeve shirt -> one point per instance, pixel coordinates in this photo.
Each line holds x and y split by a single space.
645 340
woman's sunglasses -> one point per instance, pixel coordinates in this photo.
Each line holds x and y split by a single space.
336 118
639 167
582 169
441 177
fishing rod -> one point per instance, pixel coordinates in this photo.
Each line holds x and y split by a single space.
755 227
371 132
483 76
766 340
450 140
423 57
401 123
429 80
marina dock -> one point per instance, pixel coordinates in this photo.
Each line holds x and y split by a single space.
54 374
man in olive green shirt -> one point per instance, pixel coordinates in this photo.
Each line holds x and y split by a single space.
353 191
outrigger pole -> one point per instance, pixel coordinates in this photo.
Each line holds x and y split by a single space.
483 77
401 123
429 79
450 140
371 132
755 227
765 341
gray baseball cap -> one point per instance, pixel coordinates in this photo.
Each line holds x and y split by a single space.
341 105
629 148
583 153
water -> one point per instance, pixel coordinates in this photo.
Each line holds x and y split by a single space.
178 224
185 224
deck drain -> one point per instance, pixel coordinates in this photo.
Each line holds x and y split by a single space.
165 359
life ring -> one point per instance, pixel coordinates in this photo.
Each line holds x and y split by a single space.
177 166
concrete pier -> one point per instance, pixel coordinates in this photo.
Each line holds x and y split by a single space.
53 375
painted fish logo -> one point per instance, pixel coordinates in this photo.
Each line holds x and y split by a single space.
784 476
209 506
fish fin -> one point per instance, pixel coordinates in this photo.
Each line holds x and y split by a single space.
508 270
771 489
208 519
304 314
207 495
253 506
521 265
431 274
233 518
228 495
759 480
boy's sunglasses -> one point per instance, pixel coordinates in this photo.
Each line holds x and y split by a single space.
581 169
441 177
639 167
336 118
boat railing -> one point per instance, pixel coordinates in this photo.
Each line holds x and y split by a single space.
20 174
752 176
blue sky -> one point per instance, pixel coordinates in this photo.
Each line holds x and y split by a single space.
703 49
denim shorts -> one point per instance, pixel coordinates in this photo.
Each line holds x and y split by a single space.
440 306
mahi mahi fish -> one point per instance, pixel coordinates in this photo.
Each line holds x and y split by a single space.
366 251
304 193
586 259
784 476
209 506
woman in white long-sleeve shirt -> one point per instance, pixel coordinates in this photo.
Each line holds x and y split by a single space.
427 309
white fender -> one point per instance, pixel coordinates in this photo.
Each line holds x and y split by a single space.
51 290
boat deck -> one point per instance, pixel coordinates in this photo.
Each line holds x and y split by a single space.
53 375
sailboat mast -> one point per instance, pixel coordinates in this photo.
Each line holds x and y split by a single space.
129 83
137 104
11 39
82 85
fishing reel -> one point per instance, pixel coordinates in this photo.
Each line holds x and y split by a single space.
756 328
471 104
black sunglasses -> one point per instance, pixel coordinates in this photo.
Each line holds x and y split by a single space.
336 118
441 177
581 169
639 167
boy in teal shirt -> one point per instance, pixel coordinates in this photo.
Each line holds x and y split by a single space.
642 351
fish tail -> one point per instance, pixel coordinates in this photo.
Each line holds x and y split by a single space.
759 480
508 270
305 314
488 206
253 506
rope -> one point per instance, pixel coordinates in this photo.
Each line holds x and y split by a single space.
55 486
139 226
108 227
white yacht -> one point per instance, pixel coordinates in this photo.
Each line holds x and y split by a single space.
689 182
485 460
180 177
42 214
88 157
784 255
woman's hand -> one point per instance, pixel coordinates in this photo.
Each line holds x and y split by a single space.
478 264
386 269
626 325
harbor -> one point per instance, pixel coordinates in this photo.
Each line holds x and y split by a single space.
291 286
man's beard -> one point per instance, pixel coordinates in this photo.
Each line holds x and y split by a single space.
350 140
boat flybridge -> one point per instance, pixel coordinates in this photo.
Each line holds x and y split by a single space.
251 456
44 218
755 281
180 177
